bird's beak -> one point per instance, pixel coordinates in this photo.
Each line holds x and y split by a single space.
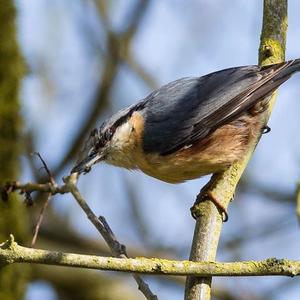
85 165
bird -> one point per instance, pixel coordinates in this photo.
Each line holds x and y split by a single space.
191 127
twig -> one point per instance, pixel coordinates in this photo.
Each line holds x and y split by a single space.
40 220
118 249
50 176
11 252
60 234
44 207
114 245
209 222
122 253
102 226
36 187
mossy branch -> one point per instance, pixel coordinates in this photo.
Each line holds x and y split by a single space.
11 252
13 215
209 221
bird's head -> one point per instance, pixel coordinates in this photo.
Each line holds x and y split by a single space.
95 149
111 143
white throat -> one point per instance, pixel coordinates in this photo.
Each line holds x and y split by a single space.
122 147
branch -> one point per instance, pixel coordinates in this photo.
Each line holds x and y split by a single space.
30 187
11 252
100 223
102 226
209 222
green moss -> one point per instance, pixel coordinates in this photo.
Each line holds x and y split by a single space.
273 37
12 213
206 236
271 51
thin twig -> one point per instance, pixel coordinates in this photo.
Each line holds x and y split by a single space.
50 176
44 207
118 249
121 249
30 187
40 220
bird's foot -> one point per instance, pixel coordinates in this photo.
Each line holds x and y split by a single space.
266 129
205 195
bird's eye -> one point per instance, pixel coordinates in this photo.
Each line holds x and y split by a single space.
104 137
109 133
100 143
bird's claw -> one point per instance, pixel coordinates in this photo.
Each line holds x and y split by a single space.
204 196
266 129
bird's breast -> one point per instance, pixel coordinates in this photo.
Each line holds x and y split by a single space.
213 154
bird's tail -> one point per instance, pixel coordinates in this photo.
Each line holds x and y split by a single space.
295 65
288 69
277 74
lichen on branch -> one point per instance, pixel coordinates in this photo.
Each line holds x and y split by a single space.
12 253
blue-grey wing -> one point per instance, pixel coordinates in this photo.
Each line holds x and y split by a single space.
187 110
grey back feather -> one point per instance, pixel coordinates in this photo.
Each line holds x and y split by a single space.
187 110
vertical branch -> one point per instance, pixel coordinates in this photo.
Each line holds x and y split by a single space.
209 222
12 212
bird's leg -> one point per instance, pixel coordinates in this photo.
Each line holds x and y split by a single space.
204 195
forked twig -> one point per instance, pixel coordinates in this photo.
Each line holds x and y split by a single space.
44 207
118 249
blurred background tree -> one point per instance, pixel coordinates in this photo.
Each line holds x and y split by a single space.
85 60
13 213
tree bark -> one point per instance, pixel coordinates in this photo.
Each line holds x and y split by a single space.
12 212
12 253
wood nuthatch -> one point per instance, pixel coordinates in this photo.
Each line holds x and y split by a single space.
190 127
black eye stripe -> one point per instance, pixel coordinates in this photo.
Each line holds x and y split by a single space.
108 128
109 133
100 143
104 137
